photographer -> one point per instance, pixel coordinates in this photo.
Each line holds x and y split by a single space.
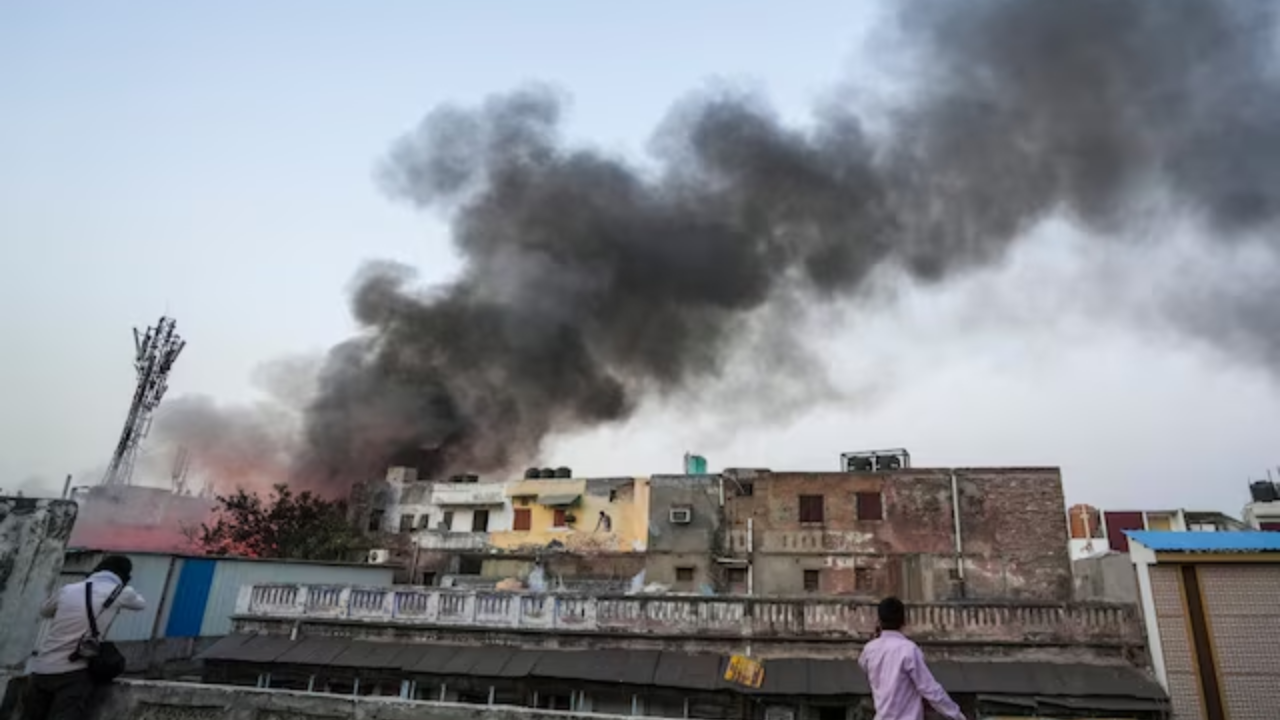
60 683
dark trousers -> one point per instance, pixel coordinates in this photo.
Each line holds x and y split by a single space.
64 696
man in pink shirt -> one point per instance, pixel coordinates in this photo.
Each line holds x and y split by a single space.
900 681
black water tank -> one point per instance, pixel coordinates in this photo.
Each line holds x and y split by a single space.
564 472
547 473
1263 491
531 473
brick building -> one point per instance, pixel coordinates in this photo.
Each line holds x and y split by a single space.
1210 602
923 534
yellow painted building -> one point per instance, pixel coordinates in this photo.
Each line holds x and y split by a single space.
582 515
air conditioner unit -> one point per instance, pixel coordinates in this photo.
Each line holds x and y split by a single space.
681 516
378 557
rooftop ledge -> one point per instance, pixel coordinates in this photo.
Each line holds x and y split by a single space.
721 616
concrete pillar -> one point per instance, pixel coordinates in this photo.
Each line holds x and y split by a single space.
33 540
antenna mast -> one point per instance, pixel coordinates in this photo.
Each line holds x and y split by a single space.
156 351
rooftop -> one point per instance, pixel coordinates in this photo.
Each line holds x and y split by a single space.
662 668
1207 542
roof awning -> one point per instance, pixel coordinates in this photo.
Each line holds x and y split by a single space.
554 500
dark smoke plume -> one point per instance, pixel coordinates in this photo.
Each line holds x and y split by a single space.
590 281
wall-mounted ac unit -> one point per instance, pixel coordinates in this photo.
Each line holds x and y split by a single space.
378 557
681 516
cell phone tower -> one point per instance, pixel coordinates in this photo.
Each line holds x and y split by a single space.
156 352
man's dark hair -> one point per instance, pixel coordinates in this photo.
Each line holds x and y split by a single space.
119 565
893 614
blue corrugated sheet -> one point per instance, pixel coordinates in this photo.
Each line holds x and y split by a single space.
1167 541
186 613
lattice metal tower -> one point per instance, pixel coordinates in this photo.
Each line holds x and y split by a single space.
156 351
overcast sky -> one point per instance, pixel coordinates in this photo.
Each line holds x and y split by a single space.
215 161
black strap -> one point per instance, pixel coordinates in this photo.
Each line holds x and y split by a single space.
88 605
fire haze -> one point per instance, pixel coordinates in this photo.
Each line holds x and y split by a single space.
590 282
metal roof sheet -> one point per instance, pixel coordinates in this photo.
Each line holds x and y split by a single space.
314 651
224 649
1038 682
695 672
557 499
1230 541
368 654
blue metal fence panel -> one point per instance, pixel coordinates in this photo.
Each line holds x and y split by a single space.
234 573
186 613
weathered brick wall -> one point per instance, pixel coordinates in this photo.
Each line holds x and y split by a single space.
1013 532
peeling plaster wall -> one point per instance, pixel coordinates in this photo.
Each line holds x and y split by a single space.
693 545
1012 521
624 501
33 538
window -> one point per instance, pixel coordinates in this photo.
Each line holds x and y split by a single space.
869 505
480 521
810 508
423 521
446 520
470 565
737 579
406 523
862 578
428 579
746 489
522 521
684 574
375 520
811 580
1202 527
559 518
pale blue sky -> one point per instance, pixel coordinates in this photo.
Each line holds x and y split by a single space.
215 161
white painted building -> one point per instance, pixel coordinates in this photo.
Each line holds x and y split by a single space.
457 514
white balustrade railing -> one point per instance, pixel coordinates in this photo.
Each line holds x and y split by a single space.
684 615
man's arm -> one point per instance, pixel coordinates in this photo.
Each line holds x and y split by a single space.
131 600
929 688
50 606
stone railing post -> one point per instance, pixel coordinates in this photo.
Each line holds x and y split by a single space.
344 601
301 600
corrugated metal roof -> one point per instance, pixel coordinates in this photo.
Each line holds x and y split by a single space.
1242 541
1032 682
557 500
315 651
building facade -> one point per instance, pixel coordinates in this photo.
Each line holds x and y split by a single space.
666 657
921 534
1263 510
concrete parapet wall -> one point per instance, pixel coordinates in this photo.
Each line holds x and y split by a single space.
711 617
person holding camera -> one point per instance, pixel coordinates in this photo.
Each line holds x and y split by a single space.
73 656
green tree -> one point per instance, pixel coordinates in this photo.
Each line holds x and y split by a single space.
284 525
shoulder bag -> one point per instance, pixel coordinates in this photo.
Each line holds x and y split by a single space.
106 663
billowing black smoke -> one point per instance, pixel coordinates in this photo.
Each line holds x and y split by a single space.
590 282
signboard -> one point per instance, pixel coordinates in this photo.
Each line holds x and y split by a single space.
743 670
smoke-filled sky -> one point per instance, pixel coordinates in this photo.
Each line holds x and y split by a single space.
1024 233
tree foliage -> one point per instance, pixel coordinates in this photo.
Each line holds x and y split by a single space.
284 525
